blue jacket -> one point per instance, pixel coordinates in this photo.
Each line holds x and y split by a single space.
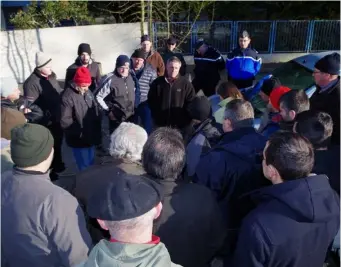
232 168
292 226
243 64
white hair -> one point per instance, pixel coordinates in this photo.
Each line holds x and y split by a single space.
127 141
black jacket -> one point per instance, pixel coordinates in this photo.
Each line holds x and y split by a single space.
207 68
167 54
44 92
80 118
190 224
33 117
168 102
94 69
328 162
329 102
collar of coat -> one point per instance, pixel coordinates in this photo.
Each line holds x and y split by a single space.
45 175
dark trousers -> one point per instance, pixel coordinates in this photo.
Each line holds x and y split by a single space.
57 162
113 125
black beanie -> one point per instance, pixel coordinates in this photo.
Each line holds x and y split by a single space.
329 64
84 48
269 85
200 108
122 60
31 144
138 53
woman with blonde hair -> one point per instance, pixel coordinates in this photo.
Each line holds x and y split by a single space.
227 92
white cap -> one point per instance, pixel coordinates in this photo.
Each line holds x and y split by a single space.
8 86
42 60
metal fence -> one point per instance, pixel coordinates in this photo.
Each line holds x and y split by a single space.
268 37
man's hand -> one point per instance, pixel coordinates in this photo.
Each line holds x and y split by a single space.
27 110
111 116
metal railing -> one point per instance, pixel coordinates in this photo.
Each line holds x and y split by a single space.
268 37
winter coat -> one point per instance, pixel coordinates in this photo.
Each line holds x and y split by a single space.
207 69
329 102
231 169
292 226
94 69
6 159
87 181
168 103
80 119
167 54
205 136
41 223
116 254
45 93
243 64
33 117
143 79
328 162
117 95
154 58
190 224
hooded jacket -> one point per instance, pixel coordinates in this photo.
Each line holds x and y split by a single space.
329 101
36 114
243 64
80 118
168 102
45 92
116 254
231 169
94 69
292 226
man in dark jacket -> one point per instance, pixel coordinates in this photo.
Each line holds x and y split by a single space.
327 95
43 89
204 133
41 223
291 104
171 51
143 74
190 224
208 65
116 95
84 59
80 119
296 218
317 127
11 98
232 168
243 63
169 96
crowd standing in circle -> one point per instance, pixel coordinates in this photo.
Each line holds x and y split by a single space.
184 181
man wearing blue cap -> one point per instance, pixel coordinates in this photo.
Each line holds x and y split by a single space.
116 94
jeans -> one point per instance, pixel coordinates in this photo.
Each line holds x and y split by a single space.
84 157
143 111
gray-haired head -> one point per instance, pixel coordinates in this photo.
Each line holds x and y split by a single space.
127 141
239 113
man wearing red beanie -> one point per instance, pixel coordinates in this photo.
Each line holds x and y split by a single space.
81 119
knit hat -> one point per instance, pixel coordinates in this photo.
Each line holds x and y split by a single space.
31 144
84 48
10 118
122 60
199 43
42 60
122 196
145 38
171 40
276 94
269 85
8 86
138 53
329 64
199 108
82 76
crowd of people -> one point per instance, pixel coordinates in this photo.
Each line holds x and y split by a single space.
184 181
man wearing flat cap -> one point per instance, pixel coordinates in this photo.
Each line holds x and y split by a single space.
126 205
84 59
170 51
327 96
